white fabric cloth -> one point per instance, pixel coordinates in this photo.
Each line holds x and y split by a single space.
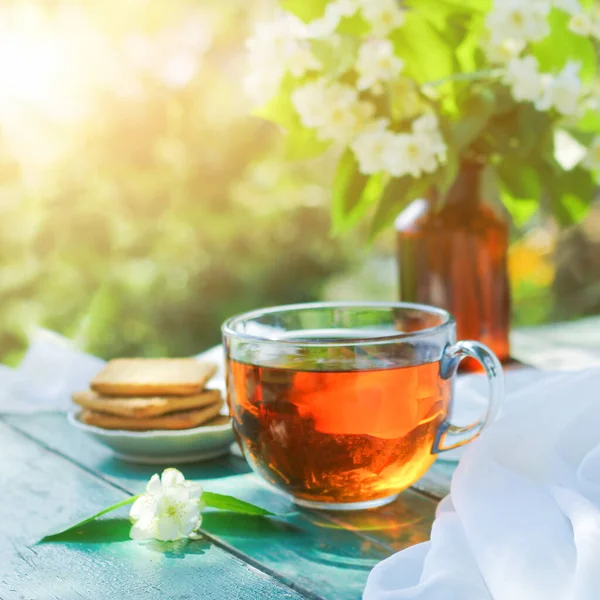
471 398
522 521
51 370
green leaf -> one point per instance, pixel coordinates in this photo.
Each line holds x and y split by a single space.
354 25
405 101
303 143
448 172
336 59
468 50
353 194
397 195
520 190
307 10
232 504
571 193
520 210
590 122
427 56
449 7
445 176
561 45
521 181
477 110
280 108
54 534
534 133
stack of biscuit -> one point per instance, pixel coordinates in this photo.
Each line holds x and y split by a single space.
148 394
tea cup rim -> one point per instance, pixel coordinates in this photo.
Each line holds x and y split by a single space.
228 327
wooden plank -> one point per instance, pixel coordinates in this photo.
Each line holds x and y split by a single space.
327 555
39 489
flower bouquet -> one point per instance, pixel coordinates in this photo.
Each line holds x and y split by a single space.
407 92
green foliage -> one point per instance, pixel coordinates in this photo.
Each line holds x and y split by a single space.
397 194
352 193
307 10
210 499
452 66
280 109
552 55
520 191
426 54
450 7
229 503
570 193
477 109
58 534
167 213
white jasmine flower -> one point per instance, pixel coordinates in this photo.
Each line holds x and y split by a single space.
569 6
371 148
378 149
376 64
523 77
345 114
334 12
502 52
346 8
562 92
568 152
170 509
334 110
301 60
309 102
276 47
581 24
326 25
411 154
345 122
427 126
382 15
518 20
592 158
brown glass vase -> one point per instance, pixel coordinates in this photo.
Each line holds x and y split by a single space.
456 258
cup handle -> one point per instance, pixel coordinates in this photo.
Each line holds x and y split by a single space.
493 369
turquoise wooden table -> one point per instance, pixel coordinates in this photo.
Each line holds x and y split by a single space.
52 475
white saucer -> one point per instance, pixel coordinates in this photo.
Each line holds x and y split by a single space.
162 447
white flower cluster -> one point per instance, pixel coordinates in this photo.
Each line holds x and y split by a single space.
170 509
382 16
337 113
377 149
333 109
563 92
512 24
282 45
377 64
517 22
277 47
586 24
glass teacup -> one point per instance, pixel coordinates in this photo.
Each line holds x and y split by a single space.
344 405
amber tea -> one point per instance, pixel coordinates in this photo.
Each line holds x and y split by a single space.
344 405
339 436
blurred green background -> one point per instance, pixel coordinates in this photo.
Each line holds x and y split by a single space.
141 205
